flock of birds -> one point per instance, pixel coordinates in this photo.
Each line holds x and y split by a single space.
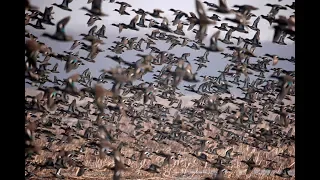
210 125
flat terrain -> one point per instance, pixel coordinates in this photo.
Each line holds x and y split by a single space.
185 167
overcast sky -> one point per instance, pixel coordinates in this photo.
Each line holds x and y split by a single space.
78 25
79 19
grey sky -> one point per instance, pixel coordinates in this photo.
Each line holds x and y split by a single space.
78 25
78 18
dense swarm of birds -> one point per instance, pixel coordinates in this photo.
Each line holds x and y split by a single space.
232 137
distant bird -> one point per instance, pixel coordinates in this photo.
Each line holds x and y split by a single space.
131 25
221 8
292 6
75 44
210 4
214 43
95 8
179 29
141 21
227 37
156 13
92 19
64 5
139 11
215 17
122 9
284 173
38 24
223 27
239 40
101 33
270 17
255 24
245 9
179 14
251 164
153 168
239 19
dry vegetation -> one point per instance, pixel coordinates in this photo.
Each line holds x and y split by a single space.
186 167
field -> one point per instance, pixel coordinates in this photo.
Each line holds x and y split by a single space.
186 167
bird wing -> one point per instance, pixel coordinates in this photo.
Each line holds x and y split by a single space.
61 25
249 169
96 5
255 22
134 21
223 4
200 10
192 24
193 15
